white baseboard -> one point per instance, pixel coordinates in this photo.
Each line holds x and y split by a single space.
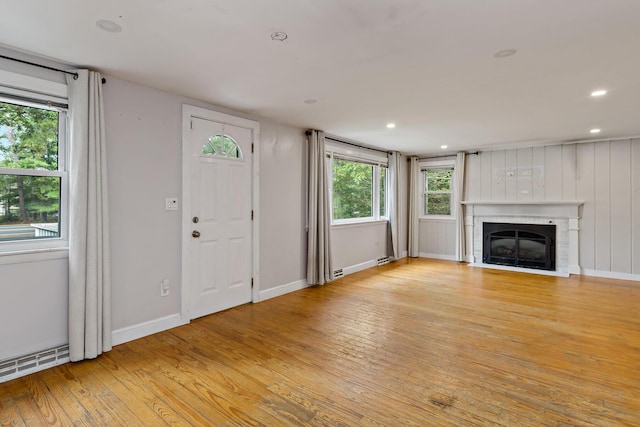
610 274
282 289
130 333
359 267
520 270
437 256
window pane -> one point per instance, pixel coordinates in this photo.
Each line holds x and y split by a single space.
28 137
29 207
383 191
438 204
222 146
352 190
439 180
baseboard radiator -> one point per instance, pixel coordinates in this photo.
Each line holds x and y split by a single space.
34 362
338 274
384 260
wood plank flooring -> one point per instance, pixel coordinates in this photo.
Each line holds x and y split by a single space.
413 343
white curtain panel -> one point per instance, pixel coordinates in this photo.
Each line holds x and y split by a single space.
394 212
319 264
89 249
414 206
460 230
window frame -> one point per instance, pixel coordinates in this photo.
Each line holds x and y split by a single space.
336 150
13 247
437 165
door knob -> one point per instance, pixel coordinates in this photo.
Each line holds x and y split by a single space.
195 233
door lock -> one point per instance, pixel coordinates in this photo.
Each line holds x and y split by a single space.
195 219
195 233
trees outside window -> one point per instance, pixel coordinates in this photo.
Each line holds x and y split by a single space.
358 190
437 191
31 173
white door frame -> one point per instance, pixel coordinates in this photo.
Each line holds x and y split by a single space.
189 111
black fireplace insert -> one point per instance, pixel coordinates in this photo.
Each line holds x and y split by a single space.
519 245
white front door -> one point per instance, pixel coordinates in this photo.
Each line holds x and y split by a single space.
220 245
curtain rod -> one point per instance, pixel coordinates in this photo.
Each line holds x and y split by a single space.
75 75
308 133
474 153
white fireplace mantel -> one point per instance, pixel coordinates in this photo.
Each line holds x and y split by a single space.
565 214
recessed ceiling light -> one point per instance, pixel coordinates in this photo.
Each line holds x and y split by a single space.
391 125
599 92
504 53
444 147
109 26
279 36
595 131
310 101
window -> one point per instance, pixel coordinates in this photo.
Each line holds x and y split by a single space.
32 174
358 185
437 194
222 146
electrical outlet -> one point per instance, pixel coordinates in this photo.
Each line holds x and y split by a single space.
164 288
171 204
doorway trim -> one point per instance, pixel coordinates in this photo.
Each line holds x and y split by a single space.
188 112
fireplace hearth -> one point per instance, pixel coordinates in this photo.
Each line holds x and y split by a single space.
519 245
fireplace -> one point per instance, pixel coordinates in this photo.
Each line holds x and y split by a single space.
519 245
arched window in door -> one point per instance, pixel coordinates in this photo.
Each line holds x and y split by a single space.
222 146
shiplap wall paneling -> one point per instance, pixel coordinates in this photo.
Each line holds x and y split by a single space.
486 176
524 173
511 182
635 206
472 181
538 174
585 184
498 172
568 174
437 237
551 170
603 205
620 194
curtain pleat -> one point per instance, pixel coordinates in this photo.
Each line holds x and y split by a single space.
394 211
460 229
414 206
319 264
89 245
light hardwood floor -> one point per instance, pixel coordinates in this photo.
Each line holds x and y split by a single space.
413 343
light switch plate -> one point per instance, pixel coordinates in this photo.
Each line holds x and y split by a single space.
171 204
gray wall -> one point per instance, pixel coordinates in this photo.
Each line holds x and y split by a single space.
144 133
360 245
605 175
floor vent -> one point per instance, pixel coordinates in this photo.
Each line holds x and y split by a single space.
34 362
338 273
384 260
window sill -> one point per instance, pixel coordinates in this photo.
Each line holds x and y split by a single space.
437 218
34 255
363 223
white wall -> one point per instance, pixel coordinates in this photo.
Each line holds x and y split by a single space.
606 175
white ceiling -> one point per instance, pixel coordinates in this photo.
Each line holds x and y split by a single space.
427 65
